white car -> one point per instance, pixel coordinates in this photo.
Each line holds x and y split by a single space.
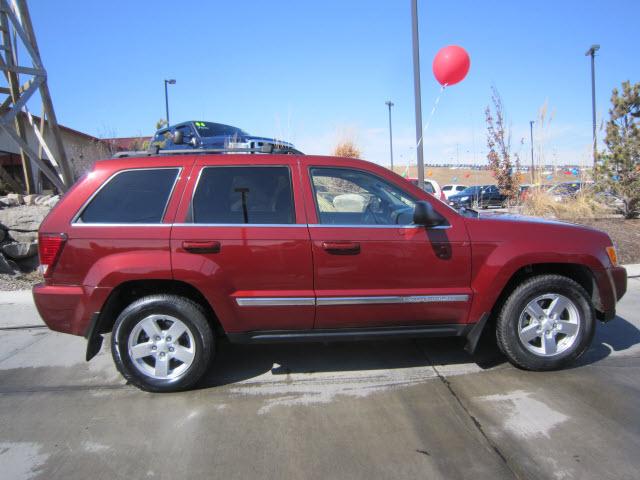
449 190
430 186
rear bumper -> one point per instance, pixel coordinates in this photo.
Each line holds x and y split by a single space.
68 308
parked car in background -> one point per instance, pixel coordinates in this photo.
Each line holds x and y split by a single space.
564 190
454 189
208 135
432 187
478 196
172 253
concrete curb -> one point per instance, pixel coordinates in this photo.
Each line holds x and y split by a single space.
633 270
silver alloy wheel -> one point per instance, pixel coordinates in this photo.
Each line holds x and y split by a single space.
549 325
161 347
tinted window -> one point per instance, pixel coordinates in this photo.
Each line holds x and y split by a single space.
135 196
209 129
353 197
244 195
446 188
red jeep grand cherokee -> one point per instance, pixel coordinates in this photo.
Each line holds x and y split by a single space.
170 252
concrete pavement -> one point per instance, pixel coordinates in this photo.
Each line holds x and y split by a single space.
402 409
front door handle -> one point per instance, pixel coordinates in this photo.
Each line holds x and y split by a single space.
204 246
341 248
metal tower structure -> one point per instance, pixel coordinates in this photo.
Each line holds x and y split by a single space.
26 79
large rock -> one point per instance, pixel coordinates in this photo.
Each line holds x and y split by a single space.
23 237
52 201
11 201
5 266
18 251
30 199
42 199
23 218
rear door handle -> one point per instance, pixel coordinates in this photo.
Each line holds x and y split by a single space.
341 248
205 246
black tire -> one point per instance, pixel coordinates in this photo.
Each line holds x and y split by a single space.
508 319
190 313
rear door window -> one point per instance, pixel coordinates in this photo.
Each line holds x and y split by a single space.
244 195
132 196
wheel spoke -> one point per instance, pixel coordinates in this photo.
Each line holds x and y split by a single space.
529 333
141 350
567 328
162 366
534 310
549 344
150 327
558 305
183 354
176 330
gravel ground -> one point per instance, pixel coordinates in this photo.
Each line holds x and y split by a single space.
20 281
624 233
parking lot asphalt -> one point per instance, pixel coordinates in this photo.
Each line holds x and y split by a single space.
406 409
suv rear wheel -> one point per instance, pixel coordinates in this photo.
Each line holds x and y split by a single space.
546 323
162 343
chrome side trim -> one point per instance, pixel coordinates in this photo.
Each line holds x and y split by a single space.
396 227
272 225
120 225
323 301
275 302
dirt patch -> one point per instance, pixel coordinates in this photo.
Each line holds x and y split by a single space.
624 233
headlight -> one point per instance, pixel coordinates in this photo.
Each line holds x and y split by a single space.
613 255
462 199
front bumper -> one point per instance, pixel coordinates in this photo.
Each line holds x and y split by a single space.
611 292
619 278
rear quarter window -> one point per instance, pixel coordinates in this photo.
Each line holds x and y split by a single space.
132 196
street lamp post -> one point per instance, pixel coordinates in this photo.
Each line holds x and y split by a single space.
390 104
171 81
416 88
592 53
533 180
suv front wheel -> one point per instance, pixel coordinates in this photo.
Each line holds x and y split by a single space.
546 323
162 343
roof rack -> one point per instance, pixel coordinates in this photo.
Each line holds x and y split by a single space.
266 149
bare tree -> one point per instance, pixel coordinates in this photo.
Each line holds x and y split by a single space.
504 164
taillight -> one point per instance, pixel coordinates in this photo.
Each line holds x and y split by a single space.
50 246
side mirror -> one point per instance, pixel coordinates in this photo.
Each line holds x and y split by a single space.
193 142
425 215
178 138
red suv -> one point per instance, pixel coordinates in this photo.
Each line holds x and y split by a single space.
169 253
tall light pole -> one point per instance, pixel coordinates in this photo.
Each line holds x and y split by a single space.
592 53
171 81
533 180
390 104
416 89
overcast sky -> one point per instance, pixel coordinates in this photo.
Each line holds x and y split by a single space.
314 71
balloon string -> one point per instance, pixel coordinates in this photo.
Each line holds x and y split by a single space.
433 111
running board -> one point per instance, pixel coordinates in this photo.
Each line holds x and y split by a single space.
349 334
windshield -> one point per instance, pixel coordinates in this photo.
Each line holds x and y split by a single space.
209 129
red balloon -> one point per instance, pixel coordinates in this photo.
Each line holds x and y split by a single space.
451 65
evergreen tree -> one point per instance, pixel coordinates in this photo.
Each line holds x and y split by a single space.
619 166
